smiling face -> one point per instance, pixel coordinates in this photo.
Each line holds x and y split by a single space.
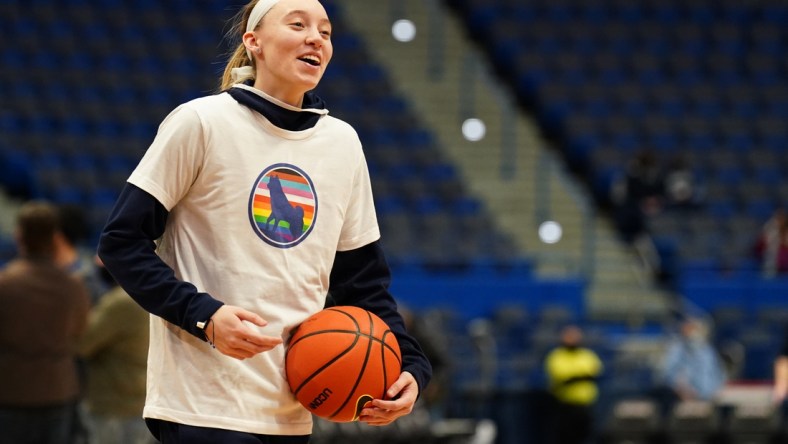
291 47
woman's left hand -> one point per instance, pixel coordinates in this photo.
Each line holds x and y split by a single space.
402 396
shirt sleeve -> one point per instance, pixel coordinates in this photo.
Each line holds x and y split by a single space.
127 248
717 377
361 278
551 368
360 224
174 159
668 370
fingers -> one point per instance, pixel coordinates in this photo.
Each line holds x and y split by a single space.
404 388
379 417
248 316
233 336
403 381
244 343
381 412
376 415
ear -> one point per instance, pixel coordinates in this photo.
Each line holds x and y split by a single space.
250 41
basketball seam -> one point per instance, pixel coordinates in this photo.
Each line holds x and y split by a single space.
372 338
352 313
363 366
390 348
334 359
381 339
325 366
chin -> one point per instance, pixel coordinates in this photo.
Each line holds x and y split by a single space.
309 86
311 81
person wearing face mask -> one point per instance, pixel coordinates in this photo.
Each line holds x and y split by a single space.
691 368
251 206
572 371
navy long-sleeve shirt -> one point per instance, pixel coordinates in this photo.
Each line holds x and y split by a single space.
127 247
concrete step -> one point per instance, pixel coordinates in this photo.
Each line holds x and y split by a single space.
513 169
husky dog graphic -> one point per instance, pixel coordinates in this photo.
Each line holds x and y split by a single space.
283 210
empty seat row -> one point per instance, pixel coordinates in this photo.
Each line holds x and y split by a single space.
86 83
704 81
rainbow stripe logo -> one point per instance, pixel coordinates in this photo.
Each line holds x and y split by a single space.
283 205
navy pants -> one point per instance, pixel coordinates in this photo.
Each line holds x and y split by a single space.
172 433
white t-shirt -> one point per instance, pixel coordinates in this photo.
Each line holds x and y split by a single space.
228 177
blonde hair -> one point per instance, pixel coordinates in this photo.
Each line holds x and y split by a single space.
239 57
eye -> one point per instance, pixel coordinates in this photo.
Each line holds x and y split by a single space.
326 33
298 24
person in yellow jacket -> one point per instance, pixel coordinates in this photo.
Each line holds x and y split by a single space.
572 372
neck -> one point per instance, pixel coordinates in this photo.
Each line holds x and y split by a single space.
281 114
65 256
291 97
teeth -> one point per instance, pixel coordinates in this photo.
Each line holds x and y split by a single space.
311 59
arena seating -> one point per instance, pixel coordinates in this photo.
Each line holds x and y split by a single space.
704 82
701 83
85 84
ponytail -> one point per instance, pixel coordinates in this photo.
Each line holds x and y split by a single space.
239 57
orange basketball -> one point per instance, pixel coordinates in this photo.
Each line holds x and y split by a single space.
339 359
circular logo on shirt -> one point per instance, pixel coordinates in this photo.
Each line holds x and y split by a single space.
283 205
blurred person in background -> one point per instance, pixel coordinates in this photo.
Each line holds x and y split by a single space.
691 369
682 188
771 246
72 255
44 313
572 371
780 392
115 350
637 196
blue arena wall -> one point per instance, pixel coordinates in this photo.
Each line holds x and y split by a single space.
751 295
478 294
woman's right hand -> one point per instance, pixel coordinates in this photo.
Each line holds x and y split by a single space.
232 337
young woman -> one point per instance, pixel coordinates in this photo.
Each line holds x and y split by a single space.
248 209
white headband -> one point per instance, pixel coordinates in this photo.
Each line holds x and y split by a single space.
243 73
258 12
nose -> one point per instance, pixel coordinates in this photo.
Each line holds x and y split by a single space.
314 38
